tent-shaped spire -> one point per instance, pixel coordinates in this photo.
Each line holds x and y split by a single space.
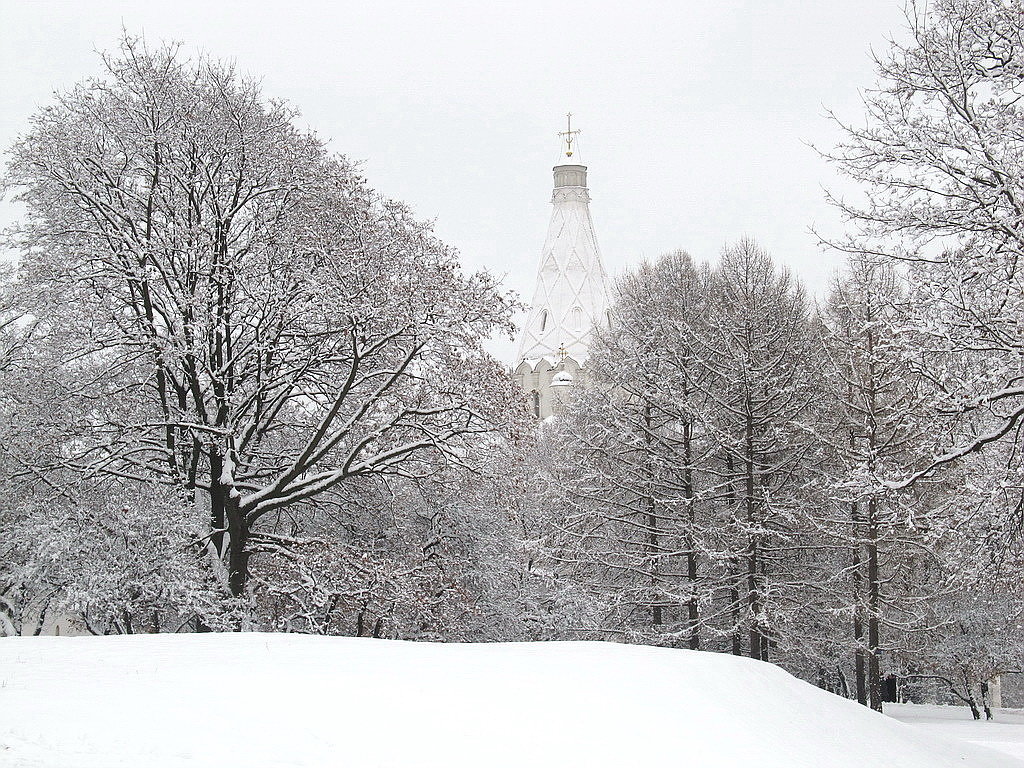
571 296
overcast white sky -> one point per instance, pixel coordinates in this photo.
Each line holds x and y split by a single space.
695 115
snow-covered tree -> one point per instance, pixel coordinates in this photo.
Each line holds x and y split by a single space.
758 350
239 317
623 489
939 160
677 492
876 418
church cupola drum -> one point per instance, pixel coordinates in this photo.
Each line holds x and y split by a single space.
571 295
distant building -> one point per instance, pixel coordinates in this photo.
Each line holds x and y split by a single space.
571 298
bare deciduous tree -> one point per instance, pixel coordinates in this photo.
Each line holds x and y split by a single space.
249 323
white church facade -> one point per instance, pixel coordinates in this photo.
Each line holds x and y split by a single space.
571 297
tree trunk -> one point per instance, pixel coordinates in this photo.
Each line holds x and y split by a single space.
737 640
858 611
653 555
652 524
238 555
971 702
844 686
734 593
692 609
859 666
693 614
984 700
218 501
225 513
753 544
874 586
874 667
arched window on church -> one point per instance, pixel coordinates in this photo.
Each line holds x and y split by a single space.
577 319
535 403
543 321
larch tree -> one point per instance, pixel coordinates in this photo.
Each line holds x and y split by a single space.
879 414
758 353
648 359
624 484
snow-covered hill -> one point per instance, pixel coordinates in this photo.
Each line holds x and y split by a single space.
288 700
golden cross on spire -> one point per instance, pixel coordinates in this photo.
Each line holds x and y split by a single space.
569 135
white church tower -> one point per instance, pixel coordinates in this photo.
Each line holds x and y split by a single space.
571 296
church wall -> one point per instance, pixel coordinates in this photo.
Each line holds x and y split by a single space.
538 380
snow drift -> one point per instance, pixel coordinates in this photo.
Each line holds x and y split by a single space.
291 700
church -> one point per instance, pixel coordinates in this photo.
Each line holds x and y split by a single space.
571 297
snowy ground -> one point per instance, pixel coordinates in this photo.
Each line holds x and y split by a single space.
1005 733
288 701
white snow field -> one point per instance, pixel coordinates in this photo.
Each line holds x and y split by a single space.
278 701
1005 733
